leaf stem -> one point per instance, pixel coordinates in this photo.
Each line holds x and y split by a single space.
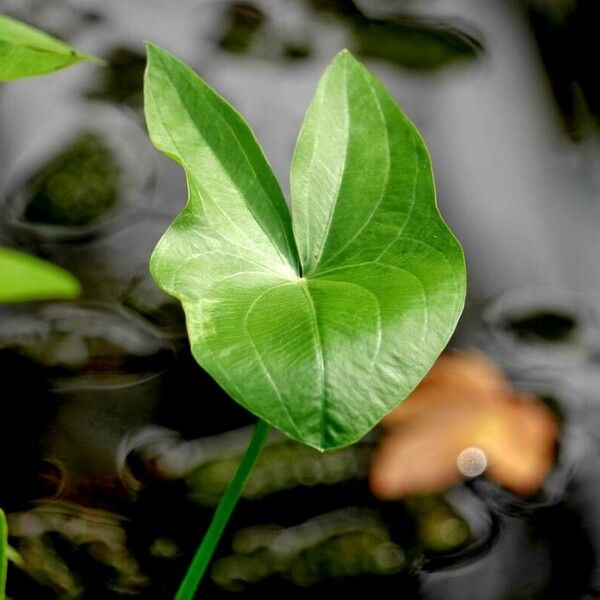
203 556
3 554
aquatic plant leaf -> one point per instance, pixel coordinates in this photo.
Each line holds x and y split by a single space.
323 332
24 277
28 52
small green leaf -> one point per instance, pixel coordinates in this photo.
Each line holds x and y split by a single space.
323 333
28 52
3 554
24 277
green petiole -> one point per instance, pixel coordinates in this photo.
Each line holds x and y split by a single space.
203 556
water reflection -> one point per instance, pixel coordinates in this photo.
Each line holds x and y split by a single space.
71 186
122 80
526 328
102 377
266 31
282 466
243 22
143 296
347 542
60 543
566 35
83 345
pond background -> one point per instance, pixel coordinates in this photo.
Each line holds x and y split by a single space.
117 445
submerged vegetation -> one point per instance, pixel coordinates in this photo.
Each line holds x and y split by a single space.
77 187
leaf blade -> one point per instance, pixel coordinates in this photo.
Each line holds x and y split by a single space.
323 355
28 52
25 278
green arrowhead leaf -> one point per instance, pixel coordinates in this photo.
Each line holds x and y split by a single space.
24 277
28 52
322 332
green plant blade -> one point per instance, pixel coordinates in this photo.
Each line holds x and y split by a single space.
3 554
28 52
24 277
325 350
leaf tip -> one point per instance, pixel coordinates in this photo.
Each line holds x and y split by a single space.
72 289
345 55
157 58
154 50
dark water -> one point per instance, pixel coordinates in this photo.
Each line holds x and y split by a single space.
117 446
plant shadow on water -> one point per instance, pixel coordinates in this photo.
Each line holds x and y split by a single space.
119 446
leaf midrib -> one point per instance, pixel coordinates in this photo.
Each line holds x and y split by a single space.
319 354
325 235
262 363
384 188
